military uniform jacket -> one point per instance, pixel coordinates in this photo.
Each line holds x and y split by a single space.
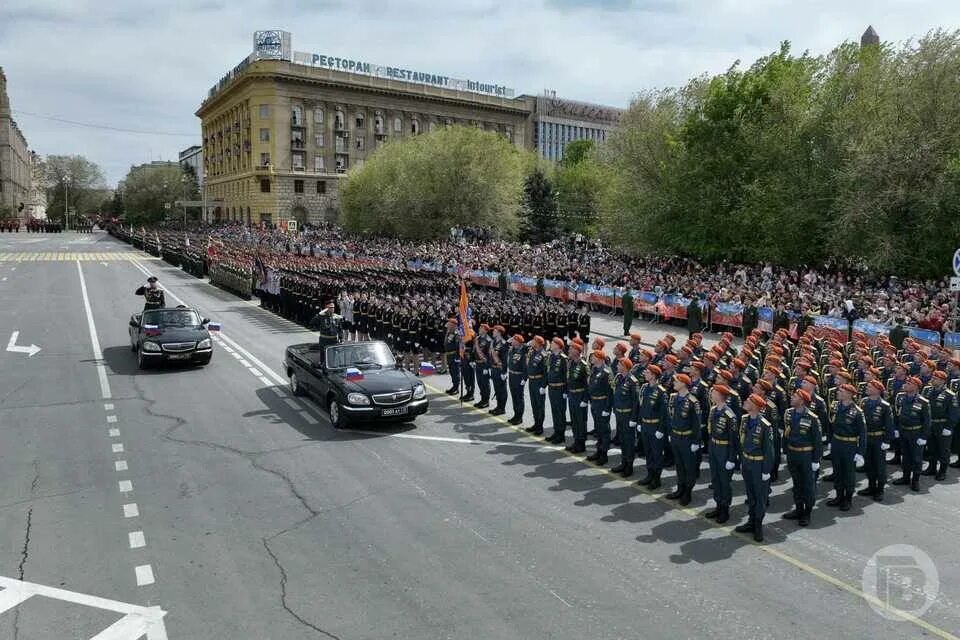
894 388
878 415
601 389
625 395
536 365
502 350
557 370
517 361
701 391
684 412
944 410
722 427
652 406
451 343
802 433
848 424
482 350
756 441
577 376
911 415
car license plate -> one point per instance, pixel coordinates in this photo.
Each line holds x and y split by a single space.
396 411
179 356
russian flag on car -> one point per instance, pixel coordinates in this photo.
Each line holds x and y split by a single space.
353 373
152 329
427 369
213 327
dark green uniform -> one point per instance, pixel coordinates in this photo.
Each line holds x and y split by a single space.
557 392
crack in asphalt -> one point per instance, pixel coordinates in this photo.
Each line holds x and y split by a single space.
251 457
20 570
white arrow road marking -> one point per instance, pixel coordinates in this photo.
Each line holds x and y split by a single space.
31 351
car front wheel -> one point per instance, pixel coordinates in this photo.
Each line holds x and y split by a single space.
337 419
141 361
295 387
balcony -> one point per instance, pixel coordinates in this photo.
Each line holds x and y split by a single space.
297 144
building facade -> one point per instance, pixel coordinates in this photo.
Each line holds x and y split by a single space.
282 128
15 158
193 157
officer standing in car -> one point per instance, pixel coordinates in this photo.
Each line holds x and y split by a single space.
152 294
328 324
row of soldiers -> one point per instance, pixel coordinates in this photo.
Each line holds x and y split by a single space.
749 410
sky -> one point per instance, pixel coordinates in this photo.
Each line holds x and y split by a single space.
146 66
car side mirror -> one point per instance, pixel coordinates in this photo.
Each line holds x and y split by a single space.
134 324
205 321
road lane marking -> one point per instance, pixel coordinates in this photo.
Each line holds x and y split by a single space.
94 340
293 404
415 436
256 373
308 418
108 406
267 381
137 539
125 486
131 510
144 575
9 598
111 419
120 465
245 363
117 447
554 593
114 433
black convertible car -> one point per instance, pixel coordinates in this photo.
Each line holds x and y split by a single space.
355 381
170 335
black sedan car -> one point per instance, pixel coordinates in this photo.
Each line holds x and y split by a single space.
177 335
356 382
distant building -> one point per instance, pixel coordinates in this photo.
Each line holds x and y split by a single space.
37 202
15 159
869 37
556 122
193 157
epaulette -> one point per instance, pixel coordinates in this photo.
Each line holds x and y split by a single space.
729 412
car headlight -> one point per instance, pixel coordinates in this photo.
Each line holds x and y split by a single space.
204 344
151 346
419 392
357 398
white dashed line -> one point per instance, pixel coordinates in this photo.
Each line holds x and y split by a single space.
125 486
131 510
293 404
111 419
114 433
267 381
255 372
309 419
108 406
245 363
137 539
279 392
144 575
237 356
120 465
117 448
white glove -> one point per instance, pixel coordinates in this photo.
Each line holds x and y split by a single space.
921 441
896 434
503 376
884 446
658 435
523 383
605 413
729 466
564 396
764 476
694 448
632 423
815 466
858 460
947 432
583 405
473 365
543 391
639 429
416 345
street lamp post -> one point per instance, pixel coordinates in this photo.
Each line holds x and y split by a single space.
66 200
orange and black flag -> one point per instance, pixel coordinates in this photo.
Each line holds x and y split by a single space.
464 317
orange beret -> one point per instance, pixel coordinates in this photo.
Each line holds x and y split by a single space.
654 369
876 384
576 345
600 341
672 359
712 357
915 381
727 335
485 326
940 374
670 338
874 371
849 388
499 327
697 365
836 362
722 388
811 380
687 350
955 362
930 364
726 375
739 364
774 358
538 340
765 384
626 363
647 353
846 375
518 338
634 335
757 400
683 379
577 341
559 342
772 370
599 355
621 347
804 395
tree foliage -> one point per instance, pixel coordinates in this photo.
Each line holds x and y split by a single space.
539 208
796 159
75 179
146 190
420 187
579 180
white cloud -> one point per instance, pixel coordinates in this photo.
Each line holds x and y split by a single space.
147 65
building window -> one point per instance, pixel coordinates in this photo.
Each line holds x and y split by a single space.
359 143
338 121
321 186
341 164
298 161
448 123
296 139
264 159
318 116
318 163
414 126
296 116
318 139
264 135
264 185
298 186
378 125
339 144
264 111
397 125
359 121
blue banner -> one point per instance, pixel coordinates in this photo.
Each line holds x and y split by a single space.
951 340
872 329
924 335
840 324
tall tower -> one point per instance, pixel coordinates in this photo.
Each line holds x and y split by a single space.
4 100
869 37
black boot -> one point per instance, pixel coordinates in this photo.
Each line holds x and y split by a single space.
941 471
931 469
955 465
655 483
878 492
829 477
870 490
836 500
758 531
483 404
556 438
915 482
452 390
724 514
601 460
896 459
746 527
515 420
845 504
713 513
805 510
686 496
794 514
497 411
647 479
618 469
627 471
676 493
903 480
576 447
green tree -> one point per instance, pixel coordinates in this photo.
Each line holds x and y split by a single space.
147 189
579 188
539 209
77 181
420 187
576 152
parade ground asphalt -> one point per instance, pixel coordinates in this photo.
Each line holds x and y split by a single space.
209 503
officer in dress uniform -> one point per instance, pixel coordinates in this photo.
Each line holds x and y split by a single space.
517 377
557 390
152 293
756 463
684 432
625 411
499 358
578 377
537 384
652 419
451 355
583 324
878 415
468 370
944 420
722 430
481 350
911 420
328 324
601 401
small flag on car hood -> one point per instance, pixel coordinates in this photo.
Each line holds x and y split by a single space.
427 369
353 373
213 327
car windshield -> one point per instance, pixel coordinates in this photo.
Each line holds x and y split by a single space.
370 355
171 318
